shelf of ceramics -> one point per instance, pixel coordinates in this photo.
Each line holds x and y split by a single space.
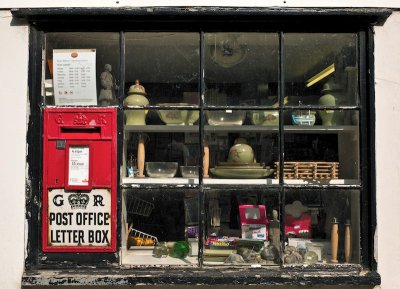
215 181
144 257
164 181
161 128
333 182
242 128
320 129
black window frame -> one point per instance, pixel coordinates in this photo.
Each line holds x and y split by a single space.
200 20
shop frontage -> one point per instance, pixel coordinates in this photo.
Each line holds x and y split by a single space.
206 145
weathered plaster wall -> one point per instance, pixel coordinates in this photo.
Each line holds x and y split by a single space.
13 97
387 73
13 93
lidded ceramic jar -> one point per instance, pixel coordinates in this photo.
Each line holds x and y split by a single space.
331 96
136 97
241 153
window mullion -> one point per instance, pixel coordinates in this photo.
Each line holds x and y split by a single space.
281 95
201 150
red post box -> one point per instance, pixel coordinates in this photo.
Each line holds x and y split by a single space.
79 180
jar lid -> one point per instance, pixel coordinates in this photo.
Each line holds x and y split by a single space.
331 86
137 89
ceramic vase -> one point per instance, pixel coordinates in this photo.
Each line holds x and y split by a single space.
332 96
136 97
327 115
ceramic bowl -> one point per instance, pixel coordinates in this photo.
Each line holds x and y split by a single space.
241 153
303 118
190 171
177 116
264 117
161 169
225 117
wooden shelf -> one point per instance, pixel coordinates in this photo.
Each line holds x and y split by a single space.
241 128
244 182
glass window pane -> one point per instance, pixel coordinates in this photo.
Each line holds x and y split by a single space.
166 64
241 68
79 80
242 154
322 226
242 228
160 227
321 69
316 153
162 154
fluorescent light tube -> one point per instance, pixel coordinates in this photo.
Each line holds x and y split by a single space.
321 75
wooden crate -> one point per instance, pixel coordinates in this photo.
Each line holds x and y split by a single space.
309 170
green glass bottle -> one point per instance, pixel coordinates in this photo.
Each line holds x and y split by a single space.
180 250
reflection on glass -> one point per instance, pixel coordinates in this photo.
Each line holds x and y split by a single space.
242 228
322 227
321 69
241 68
167 64
161 227
162 155
105 46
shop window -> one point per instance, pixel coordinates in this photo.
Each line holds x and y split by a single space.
237 148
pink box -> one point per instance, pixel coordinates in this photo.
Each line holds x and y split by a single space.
252 214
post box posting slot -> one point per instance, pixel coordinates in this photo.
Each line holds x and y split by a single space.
79 180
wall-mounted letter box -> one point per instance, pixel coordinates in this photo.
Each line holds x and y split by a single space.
79 180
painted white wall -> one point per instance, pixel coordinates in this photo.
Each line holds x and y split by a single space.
13 96
188 3
387 78
13 93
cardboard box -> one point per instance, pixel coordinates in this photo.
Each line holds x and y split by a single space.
254 231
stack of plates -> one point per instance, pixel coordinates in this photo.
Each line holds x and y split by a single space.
241 171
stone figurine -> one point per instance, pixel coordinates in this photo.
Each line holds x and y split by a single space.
274 230
107 94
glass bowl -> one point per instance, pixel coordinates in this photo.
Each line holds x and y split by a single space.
225 117
177 116
264 117
161 169
190 171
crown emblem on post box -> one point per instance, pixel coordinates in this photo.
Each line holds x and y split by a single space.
80 119
78 201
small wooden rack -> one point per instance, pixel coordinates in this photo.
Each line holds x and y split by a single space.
309 170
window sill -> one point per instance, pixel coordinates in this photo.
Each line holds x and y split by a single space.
296 276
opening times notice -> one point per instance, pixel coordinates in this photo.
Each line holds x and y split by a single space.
74 76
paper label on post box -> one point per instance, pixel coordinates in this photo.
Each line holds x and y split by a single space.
78 168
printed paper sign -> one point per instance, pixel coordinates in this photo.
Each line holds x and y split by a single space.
79 219
78 166
74 73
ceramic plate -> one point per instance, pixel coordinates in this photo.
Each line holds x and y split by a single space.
248 173
240 165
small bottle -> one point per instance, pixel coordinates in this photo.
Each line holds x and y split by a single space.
131 167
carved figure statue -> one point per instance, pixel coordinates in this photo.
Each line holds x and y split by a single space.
107 94
274 230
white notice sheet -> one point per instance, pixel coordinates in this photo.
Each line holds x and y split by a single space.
74 73
78 168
